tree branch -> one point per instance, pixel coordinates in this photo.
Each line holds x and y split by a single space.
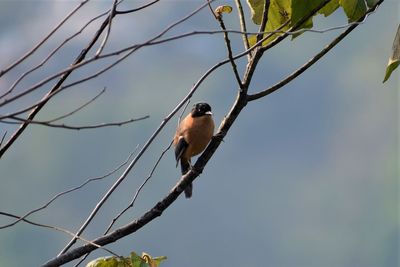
229 48
110 18
118 12
264 20
59 229
243 26
72 127
139 189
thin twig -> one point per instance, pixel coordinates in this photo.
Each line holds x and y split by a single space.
110 18
132 203
243 26
36 47
118 12
79 108
264 20
229 49
59 229
183 112
44 206
2 138
72 127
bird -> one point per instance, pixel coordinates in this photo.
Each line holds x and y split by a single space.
192 137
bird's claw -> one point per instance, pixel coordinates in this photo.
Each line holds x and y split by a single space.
219 136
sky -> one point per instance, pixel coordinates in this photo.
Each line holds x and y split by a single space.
308 176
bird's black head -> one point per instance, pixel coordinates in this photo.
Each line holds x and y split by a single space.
201 109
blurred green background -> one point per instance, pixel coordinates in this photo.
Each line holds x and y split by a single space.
308 176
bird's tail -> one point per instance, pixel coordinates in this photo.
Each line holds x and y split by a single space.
185 166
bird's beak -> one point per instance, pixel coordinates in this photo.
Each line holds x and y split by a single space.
208 113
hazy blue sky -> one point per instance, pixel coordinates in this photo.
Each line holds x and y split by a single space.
307 177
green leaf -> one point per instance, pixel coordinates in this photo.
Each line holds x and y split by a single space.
302 8
281 12
108 262
329 8
394 59
136 260
256 8
223 9
371 3
354 9
133 261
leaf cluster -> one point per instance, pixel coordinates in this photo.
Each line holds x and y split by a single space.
133 261
283 14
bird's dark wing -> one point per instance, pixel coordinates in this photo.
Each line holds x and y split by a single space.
180 148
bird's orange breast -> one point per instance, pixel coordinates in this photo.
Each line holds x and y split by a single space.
197 132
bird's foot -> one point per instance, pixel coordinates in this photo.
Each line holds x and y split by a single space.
195 170
219 136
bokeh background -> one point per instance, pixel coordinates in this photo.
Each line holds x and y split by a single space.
308 176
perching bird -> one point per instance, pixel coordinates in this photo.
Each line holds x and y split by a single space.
192 136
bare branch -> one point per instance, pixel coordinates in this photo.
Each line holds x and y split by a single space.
264 20
118 12
2 139
139 189
183 112
23 218
71 127
243 26
29 53
110 18
16 113
229 48
59 229
79 108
